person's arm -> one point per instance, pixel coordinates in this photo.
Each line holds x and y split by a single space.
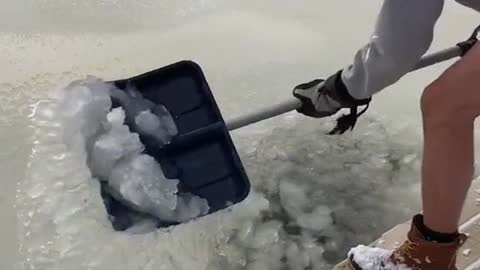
403 34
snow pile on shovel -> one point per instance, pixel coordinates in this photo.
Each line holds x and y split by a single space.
115 153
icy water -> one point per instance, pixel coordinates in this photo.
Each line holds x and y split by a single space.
313 196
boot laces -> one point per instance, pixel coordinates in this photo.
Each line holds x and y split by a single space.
407 248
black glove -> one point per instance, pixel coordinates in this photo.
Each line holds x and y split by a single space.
322 98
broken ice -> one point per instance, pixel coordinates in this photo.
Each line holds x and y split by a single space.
159 125
113 145
115 153
84 105
146 117
139 181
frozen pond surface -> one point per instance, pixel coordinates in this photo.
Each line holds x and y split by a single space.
313 196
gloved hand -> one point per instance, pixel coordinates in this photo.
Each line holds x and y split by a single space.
323 98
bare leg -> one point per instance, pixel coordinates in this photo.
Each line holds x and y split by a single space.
449 108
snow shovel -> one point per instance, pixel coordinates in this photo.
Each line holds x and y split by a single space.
202 155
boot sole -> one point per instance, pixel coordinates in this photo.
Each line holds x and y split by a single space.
352 264
348 264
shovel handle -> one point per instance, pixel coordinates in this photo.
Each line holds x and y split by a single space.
277 109
294 103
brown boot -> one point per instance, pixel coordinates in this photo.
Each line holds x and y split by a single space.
415 253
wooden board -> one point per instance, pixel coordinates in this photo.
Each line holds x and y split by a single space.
470 221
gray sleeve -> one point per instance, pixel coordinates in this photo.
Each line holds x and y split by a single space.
403 34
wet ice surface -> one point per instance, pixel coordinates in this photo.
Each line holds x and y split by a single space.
306 191
329 191
254 52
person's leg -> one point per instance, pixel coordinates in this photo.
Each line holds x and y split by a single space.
449 108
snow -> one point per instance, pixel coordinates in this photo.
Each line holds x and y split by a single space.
374 258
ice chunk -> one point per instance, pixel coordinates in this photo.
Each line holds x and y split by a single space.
114 145
246 232
317 220
266 234
144 226
114 152
140 182
314 252
84 107
166 118
296 258
160 125
295 202
116 117
137 180
148 118
293 197
132 101
189 206
149 124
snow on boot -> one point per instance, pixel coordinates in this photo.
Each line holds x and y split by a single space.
416 253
